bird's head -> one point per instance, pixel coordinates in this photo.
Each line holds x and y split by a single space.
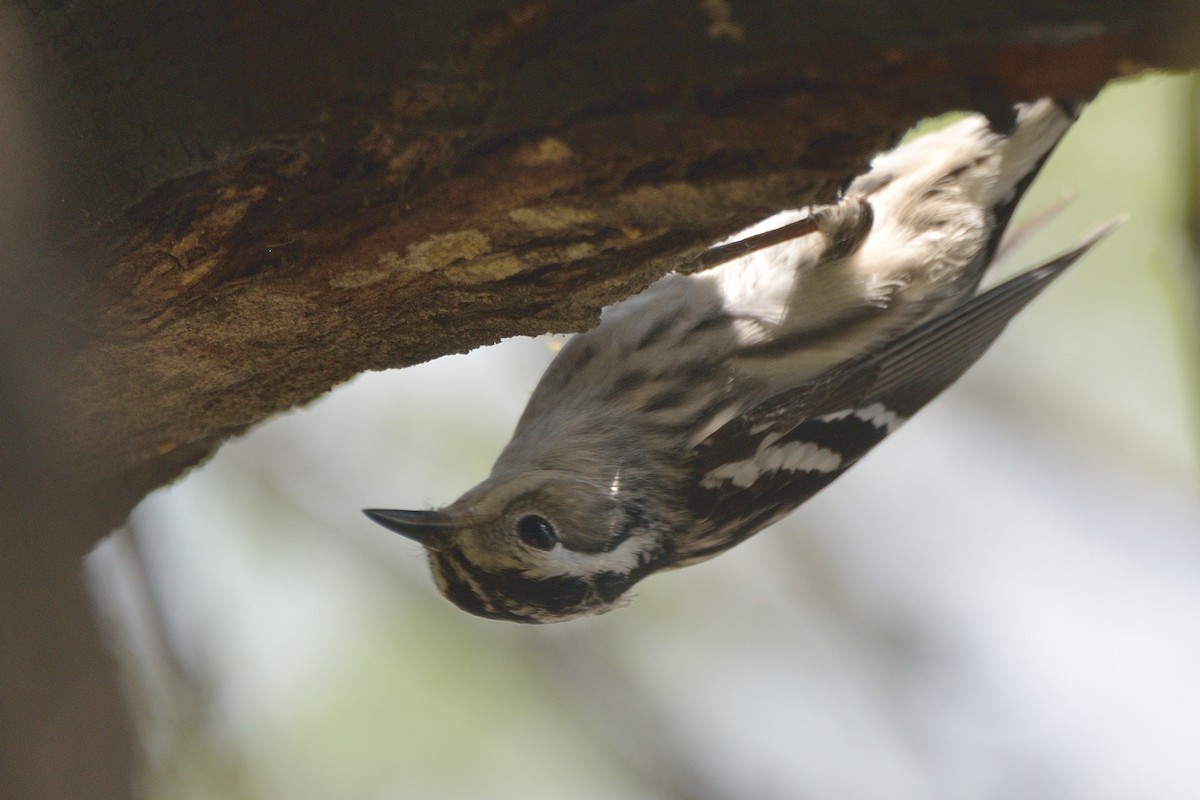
537 546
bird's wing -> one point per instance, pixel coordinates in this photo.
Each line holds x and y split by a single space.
764 463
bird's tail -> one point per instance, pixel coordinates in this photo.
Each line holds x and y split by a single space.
992 167
1039 128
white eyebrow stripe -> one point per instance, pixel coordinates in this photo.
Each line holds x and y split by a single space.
624 558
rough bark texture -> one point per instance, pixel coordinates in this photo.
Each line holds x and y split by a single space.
213 212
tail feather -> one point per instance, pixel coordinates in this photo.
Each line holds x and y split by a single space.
1040 126
921 364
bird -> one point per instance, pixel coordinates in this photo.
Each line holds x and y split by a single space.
715 402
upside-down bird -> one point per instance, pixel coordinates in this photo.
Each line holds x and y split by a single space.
713 404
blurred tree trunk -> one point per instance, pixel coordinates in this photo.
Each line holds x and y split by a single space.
212 212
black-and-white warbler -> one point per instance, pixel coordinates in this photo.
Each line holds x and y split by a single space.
713 404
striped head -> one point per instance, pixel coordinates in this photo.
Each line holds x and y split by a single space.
539 546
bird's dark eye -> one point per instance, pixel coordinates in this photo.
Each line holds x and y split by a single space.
536 532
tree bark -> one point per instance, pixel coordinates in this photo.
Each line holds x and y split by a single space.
214 212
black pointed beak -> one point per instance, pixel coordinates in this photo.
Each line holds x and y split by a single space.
430 528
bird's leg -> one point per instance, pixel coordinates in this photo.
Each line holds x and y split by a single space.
722 253
845 224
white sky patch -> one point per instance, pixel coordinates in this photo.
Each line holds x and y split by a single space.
790 457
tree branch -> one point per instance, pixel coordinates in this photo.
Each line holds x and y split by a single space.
376 191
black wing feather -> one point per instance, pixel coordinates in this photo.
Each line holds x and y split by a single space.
837 418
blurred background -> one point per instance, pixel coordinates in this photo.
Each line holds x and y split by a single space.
1002 601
